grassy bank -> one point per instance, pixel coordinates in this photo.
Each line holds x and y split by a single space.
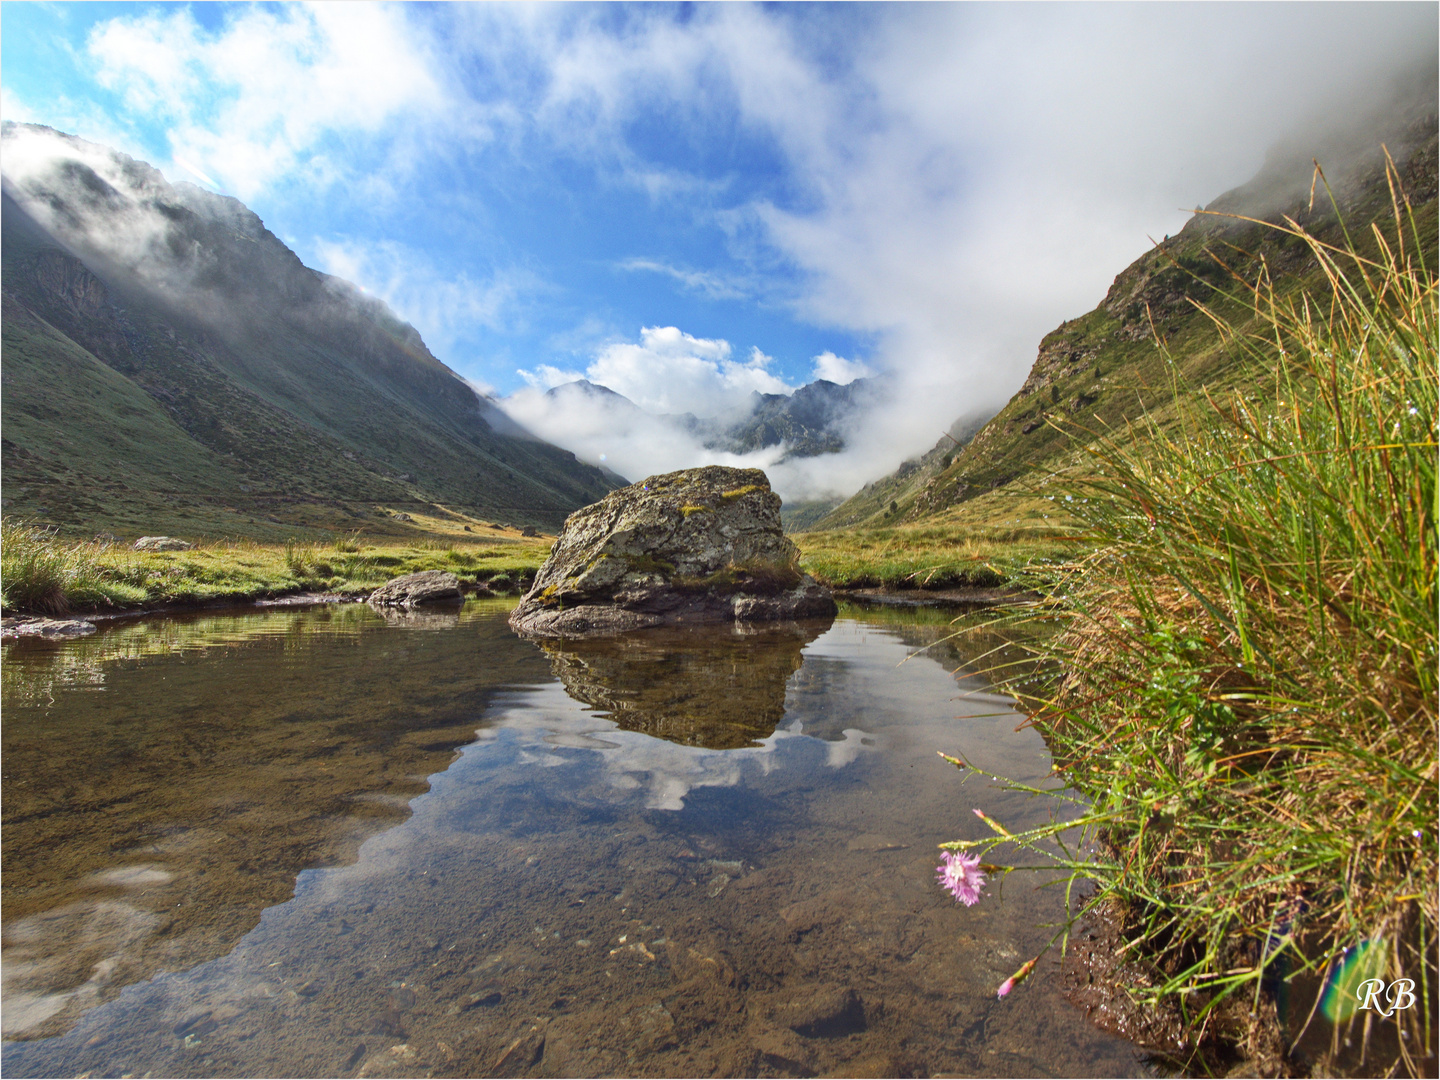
1249 704
931 556
44 574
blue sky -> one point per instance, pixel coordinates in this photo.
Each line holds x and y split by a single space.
697 201
513 242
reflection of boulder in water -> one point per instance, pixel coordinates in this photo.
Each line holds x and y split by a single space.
418 618
718 687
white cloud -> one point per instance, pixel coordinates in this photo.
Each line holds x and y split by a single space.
705 282
837 369
669 371
547 376
258 101
13 108
194 171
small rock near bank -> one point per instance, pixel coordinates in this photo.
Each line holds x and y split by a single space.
424 587
48 628
162 543
699 545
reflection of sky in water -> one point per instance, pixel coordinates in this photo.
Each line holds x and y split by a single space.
849 693
520 875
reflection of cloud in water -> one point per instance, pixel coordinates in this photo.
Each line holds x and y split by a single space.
671 710
551 726
68 956
722 704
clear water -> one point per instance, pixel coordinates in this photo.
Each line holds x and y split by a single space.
323 843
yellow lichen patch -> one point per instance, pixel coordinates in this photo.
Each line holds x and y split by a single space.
693 508
736 493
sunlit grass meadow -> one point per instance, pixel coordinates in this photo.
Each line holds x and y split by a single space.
929 556
45 574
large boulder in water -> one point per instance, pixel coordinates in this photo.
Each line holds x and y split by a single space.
700 545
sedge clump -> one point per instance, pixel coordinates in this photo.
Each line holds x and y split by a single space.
1245 710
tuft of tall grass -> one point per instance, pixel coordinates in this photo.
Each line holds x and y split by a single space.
1248 704
43 574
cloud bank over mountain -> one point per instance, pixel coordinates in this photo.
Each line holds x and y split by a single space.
670 371
666 403
916 190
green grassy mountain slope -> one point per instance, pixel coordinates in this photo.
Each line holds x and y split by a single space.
1097 372
169 365
873 502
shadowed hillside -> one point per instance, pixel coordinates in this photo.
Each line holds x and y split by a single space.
171 366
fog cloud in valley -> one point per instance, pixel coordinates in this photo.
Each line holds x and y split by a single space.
979 173
936 185
660 385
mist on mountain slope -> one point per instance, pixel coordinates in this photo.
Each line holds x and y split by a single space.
727 418
960 300
121 214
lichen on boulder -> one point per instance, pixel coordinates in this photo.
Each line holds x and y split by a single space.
700 545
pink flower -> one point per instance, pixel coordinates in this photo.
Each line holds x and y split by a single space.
961 874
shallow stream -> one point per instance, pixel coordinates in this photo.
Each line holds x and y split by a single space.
327 842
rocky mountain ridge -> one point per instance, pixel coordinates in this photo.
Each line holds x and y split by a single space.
813 420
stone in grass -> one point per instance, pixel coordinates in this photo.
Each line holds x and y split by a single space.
161 543
424 587
700 545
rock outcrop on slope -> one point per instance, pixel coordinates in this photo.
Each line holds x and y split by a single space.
700 545
161 543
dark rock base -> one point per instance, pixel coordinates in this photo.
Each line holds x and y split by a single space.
806 601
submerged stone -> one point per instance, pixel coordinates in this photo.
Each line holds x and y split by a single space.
49 628
699 545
